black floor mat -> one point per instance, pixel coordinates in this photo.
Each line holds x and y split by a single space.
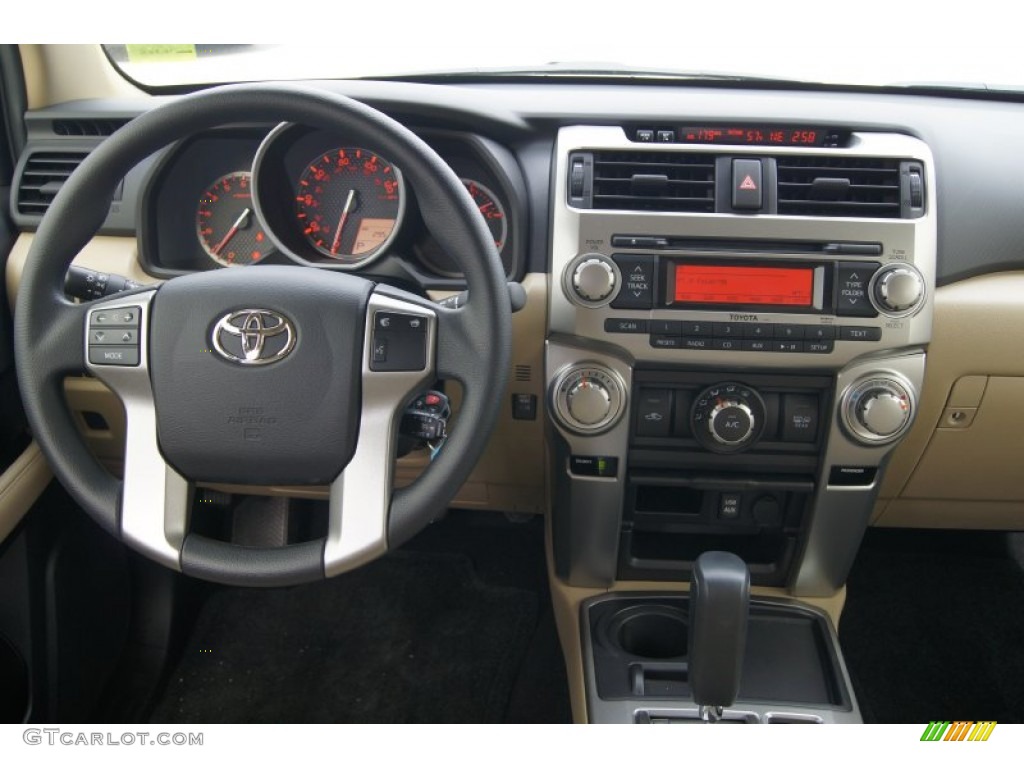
415 637
934 628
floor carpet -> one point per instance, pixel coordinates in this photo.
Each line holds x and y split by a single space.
934 627
416 637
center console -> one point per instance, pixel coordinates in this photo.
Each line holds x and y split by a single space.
736 343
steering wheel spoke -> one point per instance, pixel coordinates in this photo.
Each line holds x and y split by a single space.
398 361
117 353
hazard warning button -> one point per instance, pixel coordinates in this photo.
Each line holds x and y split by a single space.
746 185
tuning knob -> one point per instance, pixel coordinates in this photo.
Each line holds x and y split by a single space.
878 410
594 279
898 290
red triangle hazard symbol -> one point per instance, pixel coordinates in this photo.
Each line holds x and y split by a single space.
748 183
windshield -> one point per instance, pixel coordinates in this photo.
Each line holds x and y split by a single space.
894 46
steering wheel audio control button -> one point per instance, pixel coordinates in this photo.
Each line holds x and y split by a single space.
399 342
124 317
113 355
114 336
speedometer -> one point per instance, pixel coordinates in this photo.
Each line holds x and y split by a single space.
349 203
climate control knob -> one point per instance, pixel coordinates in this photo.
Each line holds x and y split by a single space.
731 422
594 279
727 417
589 401
898 290
588 398
878 410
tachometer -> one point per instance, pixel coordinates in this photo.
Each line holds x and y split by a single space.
226 222
349 203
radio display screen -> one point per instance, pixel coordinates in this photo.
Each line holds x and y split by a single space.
740 285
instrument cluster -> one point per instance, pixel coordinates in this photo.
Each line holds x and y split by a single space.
248 196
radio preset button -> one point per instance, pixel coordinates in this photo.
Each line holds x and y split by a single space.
758 330
694 328
819 332
728 330
791 332
637 291
666 327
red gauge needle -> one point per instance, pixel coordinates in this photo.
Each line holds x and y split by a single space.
341 221
239 223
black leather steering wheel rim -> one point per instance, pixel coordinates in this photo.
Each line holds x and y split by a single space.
473 342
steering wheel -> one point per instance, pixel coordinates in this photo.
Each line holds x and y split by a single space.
265 375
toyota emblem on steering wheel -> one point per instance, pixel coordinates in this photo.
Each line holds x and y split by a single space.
253 336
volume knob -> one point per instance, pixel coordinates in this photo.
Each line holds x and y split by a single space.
593 280
898 290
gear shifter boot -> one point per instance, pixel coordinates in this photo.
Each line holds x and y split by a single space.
719 600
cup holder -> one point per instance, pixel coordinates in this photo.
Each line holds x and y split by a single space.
13 684
651 631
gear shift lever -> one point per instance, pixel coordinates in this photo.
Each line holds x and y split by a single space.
719 599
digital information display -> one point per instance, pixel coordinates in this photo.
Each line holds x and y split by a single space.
750 286
763 136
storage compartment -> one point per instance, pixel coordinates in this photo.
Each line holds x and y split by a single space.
673 517
639 652
14 692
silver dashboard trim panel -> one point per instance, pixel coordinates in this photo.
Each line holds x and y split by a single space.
577 231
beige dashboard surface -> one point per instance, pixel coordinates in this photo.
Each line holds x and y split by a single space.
960 466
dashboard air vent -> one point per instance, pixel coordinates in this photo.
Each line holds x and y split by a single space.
44 174
839 186
80 126
654 181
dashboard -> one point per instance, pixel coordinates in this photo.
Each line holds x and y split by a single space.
738 277
756 319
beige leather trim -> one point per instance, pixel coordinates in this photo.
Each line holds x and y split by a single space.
969 476
20 486
57 73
